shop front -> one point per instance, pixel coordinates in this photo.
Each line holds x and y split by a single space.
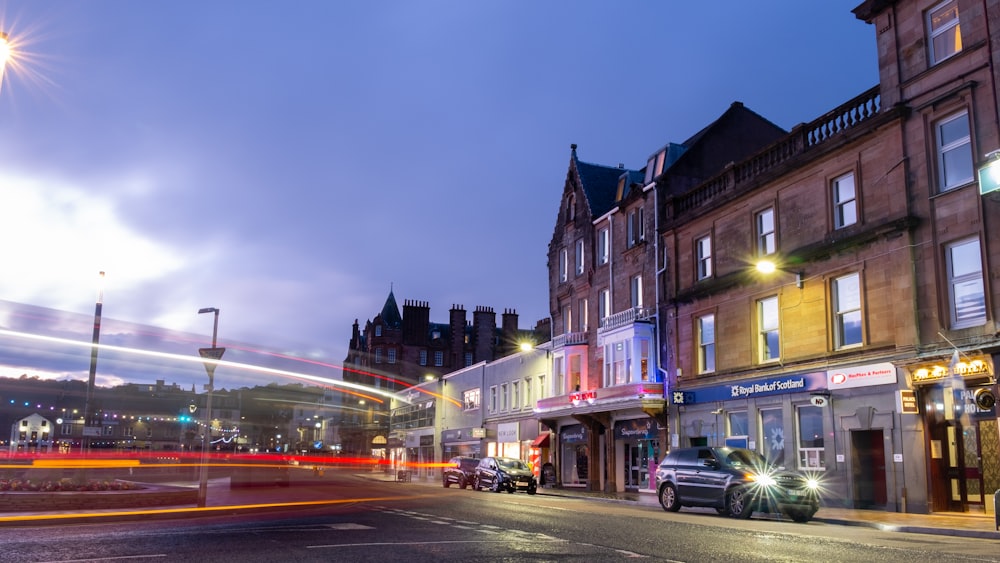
637 442
574 455
957 400
467 442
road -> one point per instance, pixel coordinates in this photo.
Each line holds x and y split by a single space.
413 523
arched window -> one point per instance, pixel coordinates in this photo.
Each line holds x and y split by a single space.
571 207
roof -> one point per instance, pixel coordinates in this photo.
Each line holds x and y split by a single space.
390 312
600 183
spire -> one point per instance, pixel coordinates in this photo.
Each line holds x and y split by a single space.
390 312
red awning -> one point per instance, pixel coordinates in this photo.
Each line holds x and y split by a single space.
541 441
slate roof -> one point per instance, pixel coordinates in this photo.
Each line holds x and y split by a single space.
390 312
600 184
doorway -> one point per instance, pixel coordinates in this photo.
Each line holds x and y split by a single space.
868 468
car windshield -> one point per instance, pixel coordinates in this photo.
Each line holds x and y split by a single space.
745 458
511 464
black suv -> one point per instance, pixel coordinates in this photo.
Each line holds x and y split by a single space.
460 470
505 474
734 481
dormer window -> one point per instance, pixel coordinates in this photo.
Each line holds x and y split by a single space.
654 166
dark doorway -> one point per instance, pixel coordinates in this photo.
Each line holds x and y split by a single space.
868 468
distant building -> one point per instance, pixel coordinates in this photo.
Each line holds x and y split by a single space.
395 351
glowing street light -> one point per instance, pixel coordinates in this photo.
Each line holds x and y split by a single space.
769 267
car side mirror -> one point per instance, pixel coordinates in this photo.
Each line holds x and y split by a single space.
710 463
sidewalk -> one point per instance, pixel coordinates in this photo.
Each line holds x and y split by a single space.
959 524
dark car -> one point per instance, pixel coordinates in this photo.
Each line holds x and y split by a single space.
460 470
505 474
734 481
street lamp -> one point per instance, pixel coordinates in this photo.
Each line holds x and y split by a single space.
769 267
4 52
215 354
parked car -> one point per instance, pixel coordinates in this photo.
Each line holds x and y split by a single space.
734 481
505 474
460 470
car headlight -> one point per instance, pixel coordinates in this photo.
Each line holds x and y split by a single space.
812 483
762 479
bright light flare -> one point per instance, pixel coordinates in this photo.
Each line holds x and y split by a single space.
766 267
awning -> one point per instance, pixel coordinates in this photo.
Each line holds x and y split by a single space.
542 441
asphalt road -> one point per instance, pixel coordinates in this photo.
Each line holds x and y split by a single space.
393 522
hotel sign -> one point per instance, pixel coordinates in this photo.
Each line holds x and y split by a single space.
977 366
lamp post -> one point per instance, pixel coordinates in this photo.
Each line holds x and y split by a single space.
769 267
91 380
214 353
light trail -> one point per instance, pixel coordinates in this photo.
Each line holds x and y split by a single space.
200 360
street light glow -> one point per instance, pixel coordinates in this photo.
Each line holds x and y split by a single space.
766 267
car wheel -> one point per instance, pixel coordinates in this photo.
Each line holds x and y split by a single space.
668 498
738 503
461 483
800 516
446 482
532 490
495 487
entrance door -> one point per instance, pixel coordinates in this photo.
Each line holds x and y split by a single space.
636 465
868 468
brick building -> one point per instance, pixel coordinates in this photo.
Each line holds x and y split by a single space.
867 354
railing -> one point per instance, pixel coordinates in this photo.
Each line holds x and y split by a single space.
625 318
802 138
569 339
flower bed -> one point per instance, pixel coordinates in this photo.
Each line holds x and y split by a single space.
64 485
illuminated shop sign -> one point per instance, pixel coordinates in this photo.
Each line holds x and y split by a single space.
815 381
976 366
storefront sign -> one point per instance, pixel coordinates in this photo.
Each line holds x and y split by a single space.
636 429
907 402
976 366
479 432
815 381
862 376
574 434
580 396
507 432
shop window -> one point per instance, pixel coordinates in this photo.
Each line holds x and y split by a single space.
772 438
810 429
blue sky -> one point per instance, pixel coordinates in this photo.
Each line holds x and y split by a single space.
289 162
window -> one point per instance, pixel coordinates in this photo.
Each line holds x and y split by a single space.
768 341
493 399
582 304
846 292
654 166
617 363
706 343
579 257
954 152
527 393
772 429
392 355
470 400
515 395
967 300
636 227
468 359
766 241
559 373
567 319
439 358
563 265
945 37
604 304
603 246
423 357
845 201
703 249
810 429
739 423
570 208
378 355
378 330
635 292
503 397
